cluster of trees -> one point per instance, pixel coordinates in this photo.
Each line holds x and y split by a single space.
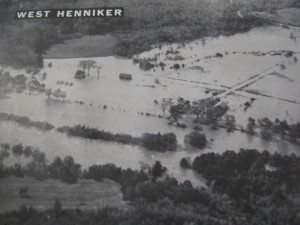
243 191
88 65
25 41
184 22
4 153
146 63
246 178
268 128
160 142
204 110
96 134
56 93
9 83
196 139
25 121
280 127
36 167
66 170
154 142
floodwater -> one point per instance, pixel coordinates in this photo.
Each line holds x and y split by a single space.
125 100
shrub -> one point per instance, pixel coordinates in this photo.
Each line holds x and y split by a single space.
196 140
184 163
146 64
176 66
159 142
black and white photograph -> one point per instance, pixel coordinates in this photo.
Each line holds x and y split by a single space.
150 112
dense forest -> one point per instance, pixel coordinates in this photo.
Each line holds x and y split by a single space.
248 187
23 42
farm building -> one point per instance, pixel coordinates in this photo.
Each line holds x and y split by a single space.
125 76
80 74
219 109
221 105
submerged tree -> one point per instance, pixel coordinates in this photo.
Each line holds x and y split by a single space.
198 109
157 170
63 95
90 64
98 70
87 65
56 93
48 92
82 64
3 154
196 139
27 151
165 103
17 151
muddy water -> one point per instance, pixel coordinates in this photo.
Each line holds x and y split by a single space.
125 100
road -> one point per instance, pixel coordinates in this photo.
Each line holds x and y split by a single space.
246 83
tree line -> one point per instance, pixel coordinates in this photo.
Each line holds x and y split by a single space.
155 142
241 190
25 121
258 182
24 41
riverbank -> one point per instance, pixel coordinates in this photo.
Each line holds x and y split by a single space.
286 17
86 46
141 27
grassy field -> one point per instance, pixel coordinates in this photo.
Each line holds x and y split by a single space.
289 16
86 194
86 46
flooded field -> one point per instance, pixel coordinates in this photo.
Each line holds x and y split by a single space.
104 101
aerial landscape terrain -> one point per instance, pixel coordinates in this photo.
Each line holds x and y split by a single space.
179 112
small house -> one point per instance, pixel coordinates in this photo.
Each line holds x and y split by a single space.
80 74
222 106
34 84
219 109
125 76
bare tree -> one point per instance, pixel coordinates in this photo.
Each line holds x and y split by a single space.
90 64
165 103
98 70
87 65
83 64
198 109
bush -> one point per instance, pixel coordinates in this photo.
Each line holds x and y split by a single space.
176 66
146 64
25 121
196 139
185 163
158 142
